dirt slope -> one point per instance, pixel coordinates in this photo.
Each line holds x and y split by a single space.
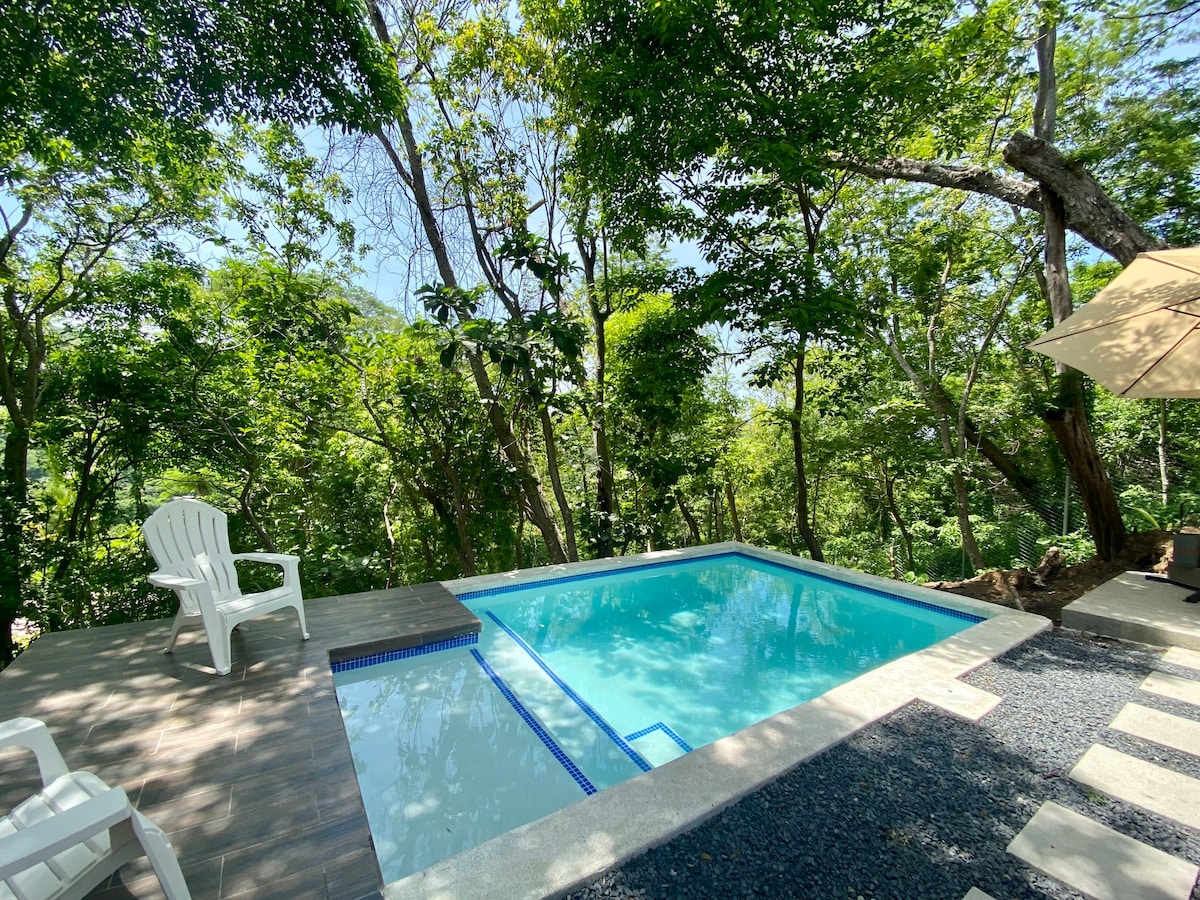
1145 551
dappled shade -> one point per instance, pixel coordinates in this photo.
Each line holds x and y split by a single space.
1140 336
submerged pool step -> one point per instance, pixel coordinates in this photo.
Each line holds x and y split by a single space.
603 755
659 743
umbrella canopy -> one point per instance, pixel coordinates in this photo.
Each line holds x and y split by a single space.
1140 336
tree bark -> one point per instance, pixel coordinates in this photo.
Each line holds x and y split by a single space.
962 507
560 495
1010 470
605 487
939 404
1068 421
889 497
1104 224
1070 428
411 170
731 502
692 524
1090 212
13 491
1164 475
539 512
803 526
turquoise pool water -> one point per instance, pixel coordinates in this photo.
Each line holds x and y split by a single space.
580 683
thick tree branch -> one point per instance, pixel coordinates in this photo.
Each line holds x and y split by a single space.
976 179
1090 212
1086 204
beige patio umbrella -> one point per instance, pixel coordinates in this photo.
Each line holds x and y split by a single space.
1140 336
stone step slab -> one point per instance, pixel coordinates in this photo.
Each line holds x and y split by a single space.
963 700
1099 862
1181 656
1152 787
1173 686
1159 727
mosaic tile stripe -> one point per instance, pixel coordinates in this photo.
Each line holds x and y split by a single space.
374 659
587 576
588 711
527 717
665 729
819 576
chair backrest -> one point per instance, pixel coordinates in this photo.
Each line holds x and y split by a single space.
190 538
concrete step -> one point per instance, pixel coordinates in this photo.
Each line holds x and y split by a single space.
1098 861
1181 656
1152 787
1173 686
1160 727
963 700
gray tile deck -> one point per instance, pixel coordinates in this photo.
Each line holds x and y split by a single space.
249 773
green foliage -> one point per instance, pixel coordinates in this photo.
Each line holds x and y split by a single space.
99 76
330 425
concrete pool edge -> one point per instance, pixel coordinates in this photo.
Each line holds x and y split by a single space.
569 848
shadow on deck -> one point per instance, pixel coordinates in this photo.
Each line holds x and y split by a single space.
249 773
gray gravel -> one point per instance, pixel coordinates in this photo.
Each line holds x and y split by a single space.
923 804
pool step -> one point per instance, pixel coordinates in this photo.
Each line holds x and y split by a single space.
591 743
658 744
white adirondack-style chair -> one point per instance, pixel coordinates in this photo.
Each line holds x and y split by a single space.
65 840
190 542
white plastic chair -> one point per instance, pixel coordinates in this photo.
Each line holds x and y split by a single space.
190 542
67 839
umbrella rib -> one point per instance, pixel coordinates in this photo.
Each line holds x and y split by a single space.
1164 262
1045 339
1107 323
1161 357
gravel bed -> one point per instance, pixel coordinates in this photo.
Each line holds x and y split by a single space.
923 804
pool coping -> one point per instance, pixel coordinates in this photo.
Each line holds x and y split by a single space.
568 849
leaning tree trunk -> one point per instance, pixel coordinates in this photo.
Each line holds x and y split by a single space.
536 505
692 525
564 507
731 502
803 525
411 169
1068 420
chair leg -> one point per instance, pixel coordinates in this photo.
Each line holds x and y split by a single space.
220 645
299 607
162 858
175 626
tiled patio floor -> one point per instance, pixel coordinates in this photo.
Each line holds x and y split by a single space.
249 773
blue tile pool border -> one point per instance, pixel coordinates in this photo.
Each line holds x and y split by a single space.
528 718
820 576
609 731
386 656
665 729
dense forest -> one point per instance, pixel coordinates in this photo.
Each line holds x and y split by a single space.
431 288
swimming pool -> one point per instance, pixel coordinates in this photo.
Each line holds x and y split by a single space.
582 682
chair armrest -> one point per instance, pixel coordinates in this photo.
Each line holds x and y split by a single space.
42 840
278 559
286 561
174 582
35 736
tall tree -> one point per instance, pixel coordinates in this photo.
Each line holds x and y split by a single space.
781 95
467 182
